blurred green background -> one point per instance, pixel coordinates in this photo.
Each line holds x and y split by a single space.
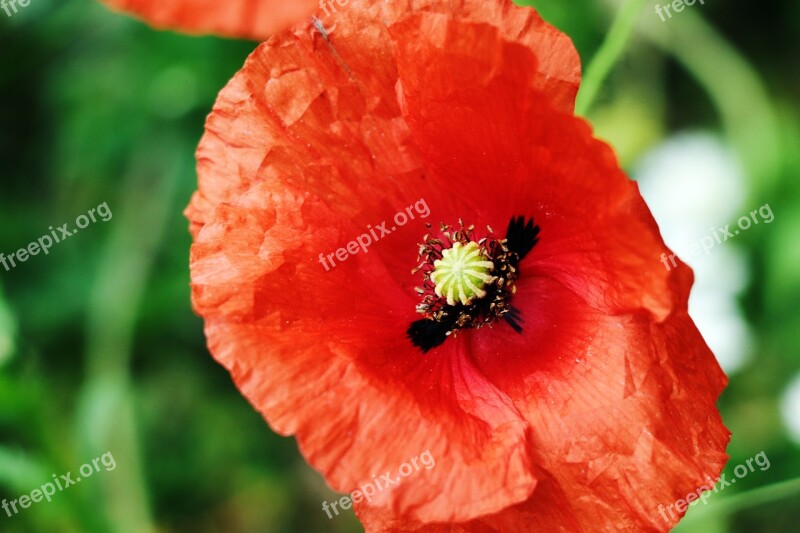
99 348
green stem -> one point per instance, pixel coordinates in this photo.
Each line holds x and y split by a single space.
608 54
107 411
752 498
735 88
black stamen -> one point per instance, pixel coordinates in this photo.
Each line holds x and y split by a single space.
522 237
428 334
516 327
513 312
513 318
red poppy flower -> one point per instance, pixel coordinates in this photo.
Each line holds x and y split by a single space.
552 369
246 19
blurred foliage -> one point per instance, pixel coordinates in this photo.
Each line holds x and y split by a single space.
99 349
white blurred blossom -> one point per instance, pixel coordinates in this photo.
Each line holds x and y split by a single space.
790 409
694 186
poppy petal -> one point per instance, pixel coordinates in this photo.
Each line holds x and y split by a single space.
559 70
245 19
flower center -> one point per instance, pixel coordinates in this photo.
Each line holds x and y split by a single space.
469 282
461 273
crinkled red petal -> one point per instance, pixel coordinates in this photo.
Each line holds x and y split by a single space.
245 19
